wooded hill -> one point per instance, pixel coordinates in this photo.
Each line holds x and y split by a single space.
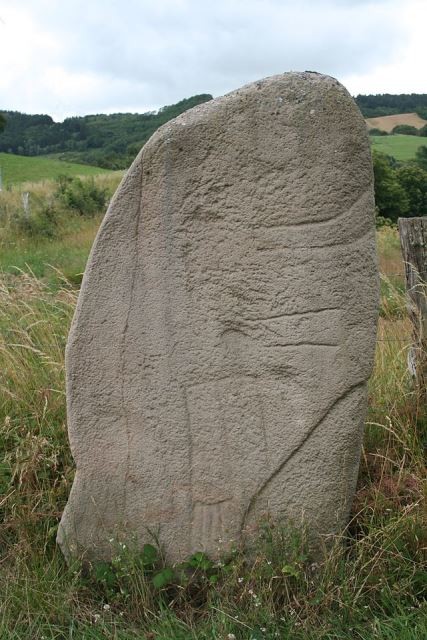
387 104
112 141
109 141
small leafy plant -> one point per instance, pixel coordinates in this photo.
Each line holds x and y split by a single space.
82 196
115 577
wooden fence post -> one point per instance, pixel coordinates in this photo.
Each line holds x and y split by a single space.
413 241
26 204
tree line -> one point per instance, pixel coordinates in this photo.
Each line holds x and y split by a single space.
109 141
387 104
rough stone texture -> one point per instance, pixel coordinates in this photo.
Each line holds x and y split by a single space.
218 358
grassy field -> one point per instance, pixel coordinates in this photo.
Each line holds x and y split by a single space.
17 169
399 146
370 584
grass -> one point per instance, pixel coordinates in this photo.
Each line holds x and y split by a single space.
68 254
400 147
370 584
62 242
17 169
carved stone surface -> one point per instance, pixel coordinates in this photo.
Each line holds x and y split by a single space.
218 358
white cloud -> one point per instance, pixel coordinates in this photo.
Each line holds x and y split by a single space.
86 57
403 71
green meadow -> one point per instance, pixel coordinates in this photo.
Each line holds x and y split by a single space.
17 169
400 147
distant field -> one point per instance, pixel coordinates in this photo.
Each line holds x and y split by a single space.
15 169
399 146
387 123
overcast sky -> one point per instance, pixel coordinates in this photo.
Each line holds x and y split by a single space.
74 57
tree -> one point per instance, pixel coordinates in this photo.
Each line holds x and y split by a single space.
377 132
421 157
2 122
390 197
413 180
405 129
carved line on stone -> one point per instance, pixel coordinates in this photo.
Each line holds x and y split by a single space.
321 223
207 522
284 462
123 344
332 245
235 331
276 332
290 315
264 430
190 449
304 344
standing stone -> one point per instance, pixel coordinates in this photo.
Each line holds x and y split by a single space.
225 331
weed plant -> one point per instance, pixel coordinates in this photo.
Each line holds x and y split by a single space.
369 583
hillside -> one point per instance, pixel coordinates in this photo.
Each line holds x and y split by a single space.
16 169
387 123
109 141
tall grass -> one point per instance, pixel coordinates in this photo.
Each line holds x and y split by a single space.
370 584
52 232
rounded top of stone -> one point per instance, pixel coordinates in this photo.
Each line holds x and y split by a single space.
300 88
